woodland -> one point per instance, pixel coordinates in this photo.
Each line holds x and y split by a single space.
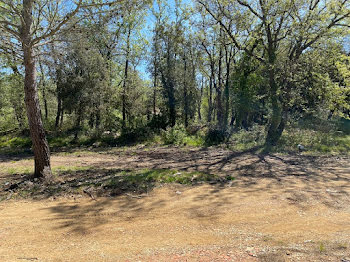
130 69
180 130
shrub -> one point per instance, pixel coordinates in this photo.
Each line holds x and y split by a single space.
174 135
215 136
134 135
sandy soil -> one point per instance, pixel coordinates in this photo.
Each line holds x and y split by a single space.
279 208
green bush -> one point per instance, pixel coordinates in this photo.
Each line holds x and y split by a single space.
174 135
15 142
134 135
216 136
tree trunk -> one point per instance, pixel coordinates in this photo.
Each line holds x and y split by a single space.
62 115
220 113
200 101
78 122
276 124
125 84
43 81
228 56
155 82
185 92
40 146
219 107
59 110
155 91
210 97
172 104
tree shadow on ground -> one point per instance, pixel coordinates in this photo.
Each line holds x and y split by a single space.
297 180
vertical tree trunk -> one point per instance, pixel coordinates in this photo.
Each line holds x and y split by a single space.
155 64
185 92
172 104
37 132
62 115
155 89
219 106
200 101
59 110
77 128
43 81
228 56
59 87
276 124
98 118
210 97
126 70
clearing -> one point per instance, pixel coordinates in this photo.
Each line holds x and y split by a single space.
257 207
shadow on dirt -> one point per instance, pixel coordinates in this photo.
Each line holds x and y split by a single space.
296 179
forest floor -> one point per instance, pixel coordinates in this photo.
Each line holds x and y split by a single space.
270 207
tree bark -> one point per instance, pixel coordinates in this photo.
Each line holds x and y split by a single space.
199 104
43 82
219 105
59 110
125 84
228 56
210 97
185 91
40 146
276 124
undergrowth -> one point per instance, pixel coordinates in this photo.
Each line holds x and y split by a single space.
316 135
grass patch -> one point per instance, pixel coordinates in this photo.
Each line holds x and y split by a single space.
162 176
322 247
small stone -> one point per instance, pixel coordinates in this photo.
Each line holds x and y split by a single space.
9 196
30 184
178 192
194 178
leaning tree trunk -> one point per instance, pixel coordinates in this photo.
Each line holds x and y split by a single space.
40 146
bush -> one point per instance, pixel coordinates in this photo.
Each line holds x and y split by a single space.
243 140
15 142
174 135
158 122
216 136
134 135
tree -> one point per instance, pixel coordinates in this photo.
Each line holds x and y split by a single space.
25 26
285 30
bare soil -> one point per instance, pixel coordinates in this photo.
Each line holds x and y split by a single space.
279 208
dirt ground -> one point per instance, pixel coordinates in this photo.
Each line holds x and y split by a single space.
279 208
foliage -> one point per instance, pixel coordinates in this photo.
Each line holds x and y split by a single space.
174 135
215 136
243 71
